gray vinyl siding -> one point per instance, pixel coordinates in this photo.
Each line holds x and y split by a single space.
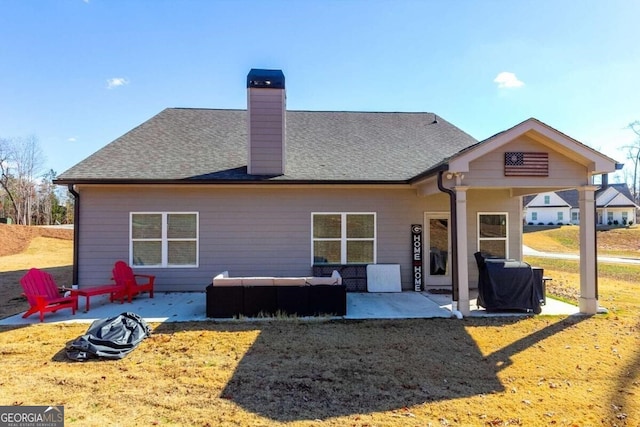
488 171
247 231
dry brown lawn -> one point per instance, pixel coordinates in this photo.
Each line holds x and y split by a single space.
22 248
621 241
528 371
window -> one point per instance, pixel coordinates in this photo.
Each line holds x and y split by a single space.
492 234
560 216
625 217
610 217
164 239
534 216
547 200
344 238
575 216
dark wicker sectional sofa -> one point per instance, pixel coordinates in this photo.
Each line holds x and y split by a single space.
268 296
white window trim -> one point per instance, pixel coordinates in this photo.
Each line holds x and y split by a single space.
165 240
506 238
343 233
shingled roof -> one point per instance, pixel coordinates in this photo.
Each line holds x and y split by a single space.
210 145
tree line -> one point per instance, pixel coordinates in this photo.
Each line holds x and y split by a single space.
28 196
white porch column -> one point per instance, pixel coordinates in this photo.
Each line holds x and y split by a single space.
588 301
461 243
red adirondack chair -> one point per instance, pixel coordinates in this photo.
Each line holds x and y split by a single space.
43 294
124 276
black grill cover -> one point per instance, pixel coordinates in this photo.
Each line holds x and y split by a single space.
507 285
111 338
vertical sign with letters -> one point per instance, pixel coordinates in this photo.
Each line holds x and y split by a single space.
416 251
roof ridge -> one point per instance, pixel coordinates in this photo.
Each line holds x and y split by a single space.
314 111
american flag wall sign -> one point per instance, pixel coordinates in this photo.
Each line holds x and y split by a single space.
518 163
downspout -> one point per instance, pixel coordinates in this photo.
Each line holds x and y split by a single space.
454 247
595 244
76 231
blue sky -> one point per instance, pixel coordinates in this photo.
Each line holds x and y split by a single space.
77 74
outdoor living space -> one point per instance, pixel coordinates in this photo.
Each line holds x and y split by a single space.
190 306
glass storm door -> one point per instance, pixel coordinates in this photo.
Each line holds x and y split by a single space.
437 249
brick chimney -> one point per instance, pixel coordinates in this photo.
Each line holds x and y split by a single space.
266 106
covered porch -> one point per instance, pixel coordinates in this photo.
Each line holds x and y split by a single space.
489 179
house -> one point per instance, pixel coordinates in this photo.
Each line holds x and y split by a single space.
551 208
614 206
268 191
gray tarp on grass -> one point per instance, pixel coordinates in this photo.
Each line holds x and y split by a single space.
110 338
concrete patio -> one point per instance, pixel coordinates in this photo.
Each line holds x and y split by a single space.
190 306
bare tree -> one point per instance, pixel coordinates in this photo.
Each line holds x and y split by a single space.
21 159
633 154
6 178
49 207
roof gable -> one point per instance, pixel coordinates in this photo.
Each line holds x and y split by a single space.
596 162
605 195
620 201
556 199
615 195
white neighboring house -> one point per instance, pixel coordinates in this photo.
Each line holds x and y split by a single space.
614 206
551 208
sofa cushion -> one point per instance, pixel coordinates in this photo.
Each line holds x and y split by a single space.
335 279
227 281
257 281
289 281
322 281
221 275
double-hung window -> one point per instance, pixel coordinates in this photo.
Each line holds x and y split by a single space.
492 234
343 238
164 239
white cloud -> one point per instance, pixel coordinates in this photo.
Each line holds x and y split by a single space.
507 80
72 139
116 82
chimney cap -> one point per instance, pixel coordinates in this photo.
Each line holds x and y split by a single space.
270 79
